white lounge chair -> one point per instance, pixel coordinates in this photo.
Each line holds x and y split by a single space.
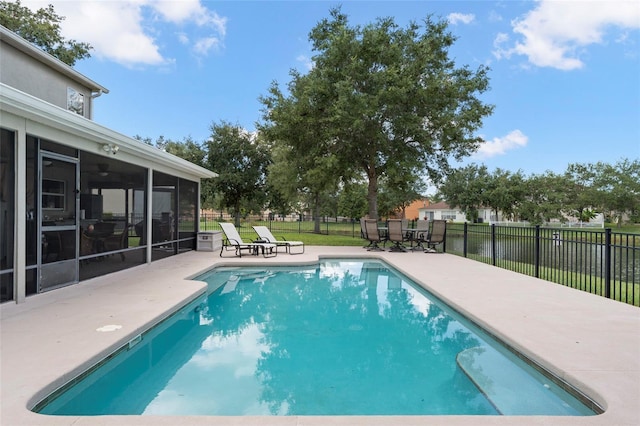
266 235
233 241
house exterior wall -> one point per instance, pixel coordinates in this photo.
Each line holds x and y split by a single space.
35 78
488 216
51 158
413 211
442 211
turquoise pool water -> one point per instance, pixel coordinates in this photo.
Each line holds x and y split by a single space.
344 337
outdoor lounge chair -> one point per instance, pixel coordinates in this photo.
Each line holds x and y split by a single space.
373 235
233 241
265 234
395 234
436 236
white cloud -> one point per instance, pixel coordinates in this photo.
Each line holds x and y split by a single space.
306 61
498 146
183 38
203 45
190 10
555 32
501 38
455 18
494 16
178 11
124 31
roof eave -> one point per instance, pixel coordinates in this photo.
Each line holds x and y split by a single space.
32 108
27 48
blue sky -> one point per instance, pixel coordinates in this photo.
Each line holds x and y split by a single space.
565 75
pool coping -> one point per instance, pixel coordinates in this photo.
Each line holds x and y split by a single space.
597 349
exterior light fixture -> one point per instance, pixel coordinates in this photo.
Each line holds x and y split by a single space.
110 148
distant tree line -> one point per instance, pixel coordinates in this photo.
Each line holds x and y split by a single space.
250 181
581 192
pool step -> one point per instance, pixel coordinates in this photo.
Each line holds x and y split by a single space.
511 390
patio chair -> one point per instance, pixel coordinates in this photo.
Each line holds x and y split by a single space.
52 245
118 241
363 232
87 244
265 234
104 229
396 235
233 241
373 235
436 236
420 234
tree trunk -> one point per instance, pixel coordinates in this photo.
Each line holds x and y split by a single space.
237 216
372 194
316 214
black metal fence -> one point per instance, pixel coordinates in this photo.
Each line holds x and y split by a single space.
601 262
605 263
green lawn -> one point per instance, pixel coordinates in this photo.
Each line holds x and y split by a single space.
622 291
628 228
321 239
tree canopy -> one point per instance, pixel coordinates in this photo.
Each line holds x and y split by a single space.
618 188
581 192
380 100
241 161
42 28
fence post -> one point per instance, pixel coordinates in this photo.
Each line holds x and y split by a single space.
444 241
607 263
536 253
493 244
465 235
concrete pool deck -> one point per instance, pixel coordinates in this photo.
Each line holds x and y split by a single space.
591 342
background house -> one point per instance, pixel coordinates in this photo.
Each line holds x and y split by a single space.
412 212
443 211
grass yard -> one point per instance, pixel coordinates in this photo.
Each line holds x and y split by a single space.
321 239
622 291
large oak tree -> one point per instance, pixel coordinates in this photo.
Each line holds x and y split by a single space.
241 161
380 100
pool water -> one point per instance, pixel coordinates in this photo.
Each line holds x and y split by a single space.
344 337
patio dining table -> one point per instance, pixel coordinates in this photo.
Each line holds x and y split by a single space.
410 232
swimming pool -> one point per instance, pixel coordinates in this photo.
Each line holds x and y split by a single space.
337 338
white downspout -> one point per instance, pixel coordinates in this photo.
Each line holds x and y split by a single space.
93 96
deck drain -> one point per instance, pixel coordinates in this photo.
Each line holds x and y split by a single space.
110 327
